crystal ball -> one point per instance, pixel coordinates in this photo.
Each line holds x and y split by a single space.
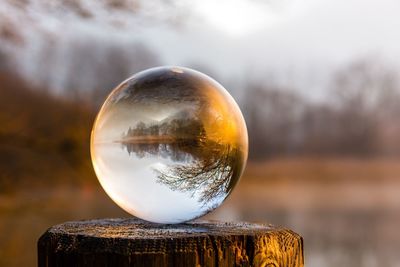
169 144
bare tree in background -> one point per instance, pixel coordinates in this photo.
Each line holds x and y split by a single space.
119 64
95 70
272 114
359 117
366 95
6 62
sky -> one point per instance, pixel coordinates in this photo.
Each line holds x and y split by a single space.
305 37
287 41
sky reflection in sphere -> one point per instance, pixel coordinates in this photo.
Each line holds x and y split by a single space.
169 144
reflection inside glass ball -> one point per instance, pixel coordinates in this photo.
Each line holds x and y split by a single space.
169 144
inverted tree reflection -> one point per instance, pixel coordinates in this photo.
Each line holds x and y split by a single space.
213 172
204 168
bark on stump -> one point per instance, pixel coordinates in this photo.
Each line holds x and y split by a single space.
133 242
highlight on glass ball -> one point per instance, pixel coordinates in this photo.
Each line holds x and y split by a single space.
169 144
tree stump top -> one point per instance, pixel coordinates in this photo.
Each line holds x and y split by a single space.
138 229
133 242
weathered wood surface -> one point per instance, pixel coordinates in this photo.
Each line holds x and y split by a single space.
133 242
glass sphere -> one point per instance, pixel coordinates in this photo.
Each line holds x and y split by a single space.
169 144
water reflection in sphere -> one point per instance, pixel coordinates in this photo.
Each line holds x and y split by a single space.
169 144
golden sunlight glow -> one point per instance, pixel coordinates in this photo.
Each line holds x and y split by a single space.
221 118
236 17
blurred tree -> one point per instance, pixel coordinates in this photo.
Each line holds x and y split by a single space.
5 62
272 114
94 71
43 139
359 117
366 95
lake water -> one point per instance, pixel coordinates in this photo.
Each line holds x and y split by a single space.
347 212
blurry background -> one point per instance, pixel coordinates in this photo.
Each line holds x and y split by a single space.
317 81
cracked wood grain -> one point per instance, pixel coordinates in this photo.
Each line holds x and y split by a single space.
133 242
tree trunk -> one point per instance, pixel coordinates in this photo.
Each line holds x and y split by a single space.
133 242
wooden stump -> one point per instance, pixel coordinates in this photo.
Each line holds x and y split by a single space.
133 242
